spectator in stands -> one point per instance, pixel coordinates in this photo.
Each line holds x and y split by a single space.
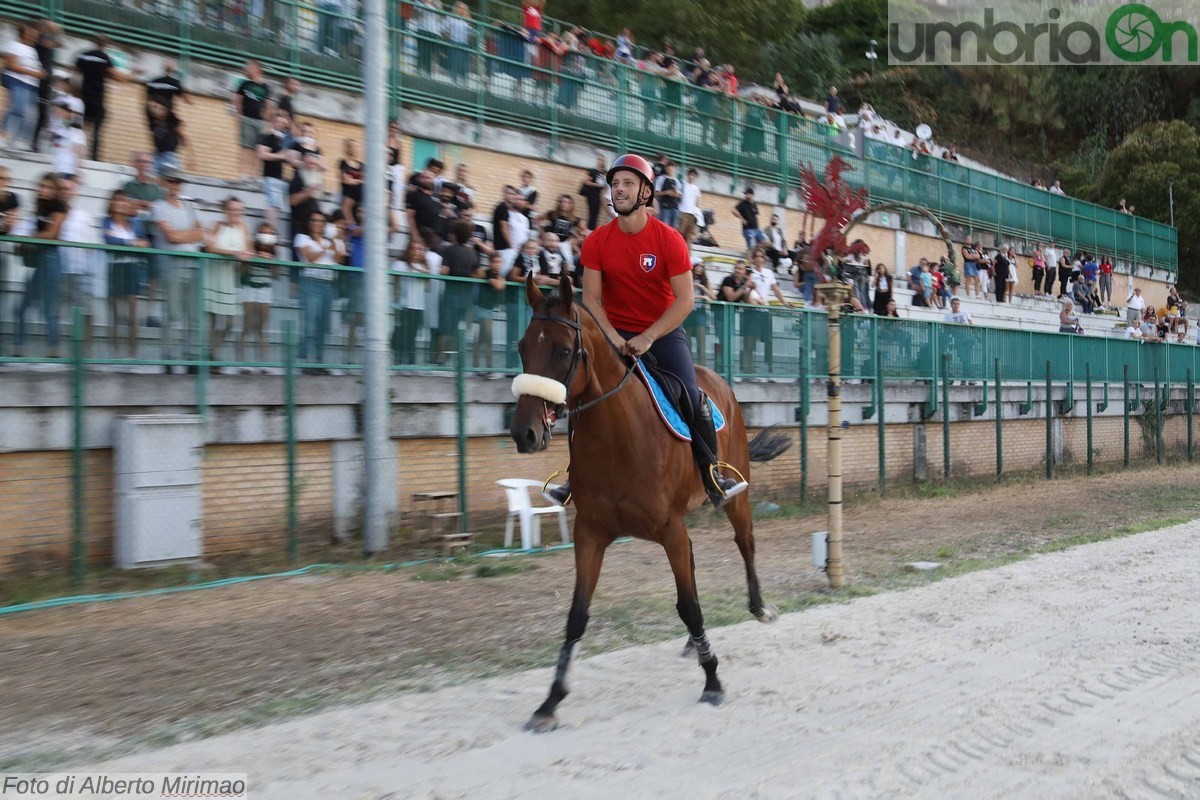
528 193
926 278
531 12
1122 207
690 215
459 29
428 25
562 220
1135 305
352 171
22 74
229 237
624 50
178 229
167 88
1039 268
142 190
465 193
882 284
351 283
1105 281
1011 280
765 283
287 99
424 212
273 154
410 305
1064 272
48 41
395 172
319 252
257 279
83 269
510 228
667 194
490 295
592 190
10 206
971 256
776 245
1002 265
1068 320
551 261
1081 296
1056 188
460 259
747 213
96 67
169 137
46 272
125 270
305 191
1090 271
305 141
69 141
247 102
956 315
696 324
1149 326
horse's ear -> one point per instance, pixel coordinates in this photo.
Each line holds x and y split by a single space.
533 294
566 291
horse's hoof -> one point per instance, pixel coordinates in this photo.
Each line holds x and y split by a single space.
689 649
713 698
541 724
768 614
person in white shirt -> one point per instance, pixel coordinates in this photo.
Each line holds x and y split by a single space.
22 74
83 276
957 315
69 141
1057 188
1133 332
1135 305
690 215
314 248
758 324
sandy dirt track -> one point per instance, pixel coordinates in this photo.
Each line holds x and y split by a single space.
1074 675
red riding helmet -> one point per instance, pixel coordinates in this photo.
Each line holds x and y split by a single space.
635 164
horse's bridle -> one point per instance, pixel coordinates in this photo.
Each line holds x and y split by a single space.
579 353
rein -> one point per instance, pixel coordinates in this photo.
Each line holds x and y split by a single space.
581 352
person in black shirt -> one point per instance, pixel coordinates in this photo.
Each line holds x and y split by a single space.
167 87
747 212
96 67
304 193
291 87
273 153
424 211
49 38
167 133
248 100
351 168
562 220
9 204
459 260
592 191
500 222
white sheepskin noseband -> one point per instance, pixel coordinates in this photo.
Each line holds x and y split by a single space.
541 387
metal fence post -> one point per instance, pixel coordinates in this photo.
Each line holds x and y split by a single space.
1088 400
802 417
1158 437
880 395
1049 426
289 394
460 386
999 426
1125 410
78 519
1190 405
946 416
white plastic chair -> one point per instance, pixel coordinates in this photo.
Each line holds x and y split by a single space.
520 508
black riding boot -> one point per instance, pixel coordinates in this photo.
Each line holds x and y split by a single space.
704 447
560 495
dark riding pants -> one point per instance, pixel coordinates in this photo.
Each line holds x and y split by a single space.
672 354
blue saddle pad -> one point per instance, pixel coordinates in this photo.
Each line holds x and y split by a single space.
667 411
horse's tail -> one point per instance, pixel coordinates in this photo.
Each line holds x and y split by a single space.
768 445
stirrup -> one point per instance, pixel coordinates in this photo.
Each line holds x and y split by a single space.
724 489
559 495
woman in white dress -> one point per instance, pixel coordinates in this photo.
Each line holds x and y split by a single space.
229 237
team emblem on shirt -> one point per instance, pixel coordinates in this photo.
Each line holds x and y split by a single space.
648 261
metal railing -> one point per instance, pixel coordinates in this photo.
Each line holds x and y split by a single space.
494 76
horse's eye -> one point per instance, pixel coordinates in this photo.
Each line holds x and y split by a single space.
564 352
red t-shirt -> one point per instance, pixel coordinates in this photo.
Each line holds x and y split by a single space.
1106 268
533 18
636 271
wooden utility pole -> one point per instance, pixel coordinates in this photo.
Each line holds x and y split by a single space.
832 296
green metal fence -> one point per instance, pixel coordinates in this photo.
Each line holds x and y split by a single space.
494 77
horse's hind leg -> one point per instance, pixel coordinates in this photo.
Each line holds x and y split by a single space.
589 557
683 565
739 515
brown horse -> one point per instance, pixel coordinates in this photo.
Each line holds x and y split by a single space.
629 475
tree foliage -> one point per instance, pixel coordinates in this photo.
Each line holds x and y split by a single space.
810 63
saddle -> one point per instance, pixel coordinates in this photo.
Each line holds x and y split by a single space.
671 400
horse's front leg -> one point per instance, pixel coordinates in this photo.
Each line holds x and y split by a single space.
683 564
589 557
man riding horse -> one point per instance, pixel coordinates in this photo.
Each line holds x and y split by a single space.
637 278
